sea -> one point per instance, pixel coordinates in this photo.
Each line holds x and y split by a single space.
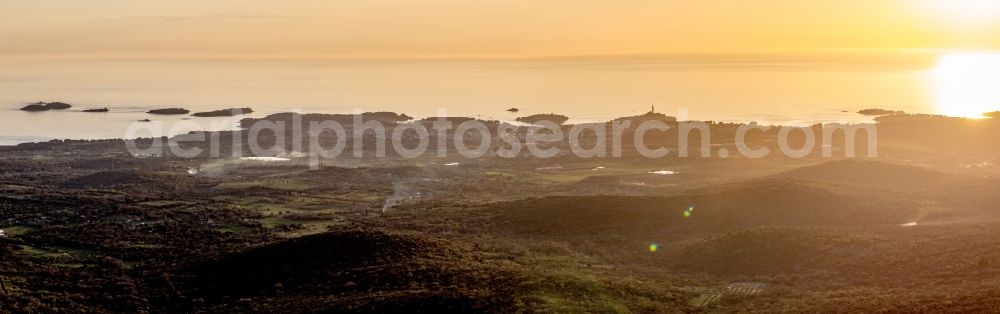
771 89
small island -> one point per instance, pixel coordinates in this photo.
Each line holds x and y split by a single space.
34 107
41 106
879 112
58 106
514 110
98 110
534 119
169 111
231 112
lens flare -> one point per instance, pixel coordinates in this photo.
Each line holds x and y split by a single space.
653 247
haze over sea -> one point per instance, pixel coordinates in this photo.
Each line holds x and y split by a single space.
776 89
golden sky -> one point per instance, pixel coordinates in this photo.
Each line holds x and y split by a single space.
505 28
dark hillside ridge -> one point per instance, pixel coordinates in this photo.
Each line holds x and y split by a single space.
864 172
719 208
347 267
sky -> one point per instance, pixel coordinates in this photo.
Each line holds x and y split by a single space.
488 28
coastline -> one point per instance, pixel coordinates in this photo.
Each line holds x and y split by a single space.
112 125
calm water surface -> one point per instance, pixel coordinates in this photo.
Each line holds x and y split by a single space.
796 90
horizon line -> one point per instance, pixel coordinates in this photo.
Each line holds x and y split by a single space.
145 56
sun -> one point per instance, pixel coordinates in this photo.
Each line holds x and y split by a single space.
967 84
971 11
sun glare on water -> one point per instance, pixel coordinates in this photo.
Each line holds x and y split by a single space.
967 84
